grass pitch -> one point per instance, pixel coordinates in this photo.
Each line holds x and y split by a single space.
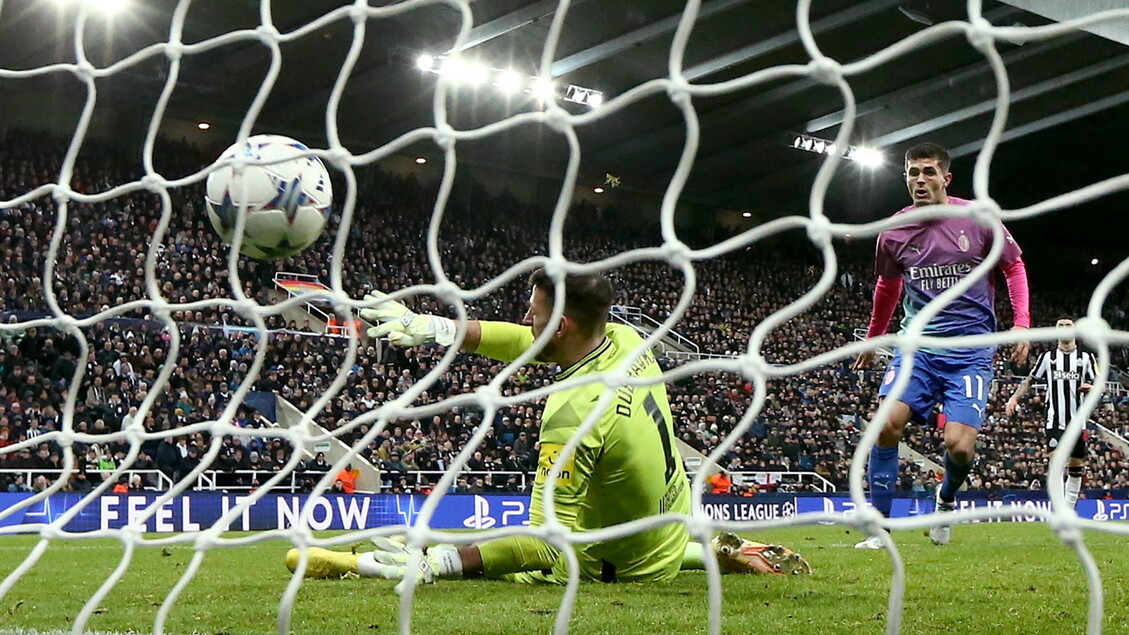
993 578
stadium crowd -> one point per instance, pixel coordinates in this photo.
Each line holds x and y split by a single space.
810 422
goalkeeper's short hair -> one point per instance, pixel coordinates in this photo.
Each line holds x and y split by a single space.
588 297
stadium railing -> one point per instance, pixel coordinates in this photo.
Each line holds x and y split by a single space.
684 356
634 317
782 481
248 480
498 478
883 352
281 280
154 479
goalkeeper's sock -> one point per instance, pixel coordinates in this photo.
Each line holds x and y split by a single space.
692 559
883 478
1073 484
955 474
441 561
369 567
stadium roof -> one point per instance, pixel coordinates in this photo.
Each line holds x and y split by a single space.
944 92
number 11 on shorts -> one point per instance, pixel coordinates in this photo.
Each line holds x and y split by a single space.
968 381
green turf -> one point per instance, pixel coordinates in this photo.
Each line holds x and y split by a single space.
994 578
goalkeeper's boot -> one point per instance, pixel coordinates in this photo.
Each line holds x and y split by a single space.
941 534
737 555
873 542
323 563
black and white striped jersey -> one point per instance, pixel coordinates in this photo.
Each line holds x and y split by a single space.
1064 373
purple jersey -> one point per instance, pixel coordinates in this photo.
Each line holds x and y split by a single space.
931 256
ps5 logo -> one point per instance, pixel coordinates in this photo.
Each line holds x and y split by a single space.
1101 514
512 513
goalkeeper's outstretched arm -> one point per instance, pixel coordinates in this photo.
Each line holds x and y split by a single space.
404 327
503 341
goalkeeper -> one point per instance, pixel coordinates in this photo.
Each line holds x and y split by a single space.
626 468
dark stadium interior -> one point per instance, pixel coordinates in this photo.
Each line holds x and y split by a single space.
1068 118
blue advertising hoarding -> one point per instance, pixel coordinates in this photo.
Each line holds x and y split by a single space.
198 510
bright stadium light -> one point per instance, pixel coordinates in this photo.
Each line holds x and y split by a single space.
1094 262
421 160
598 190
508 82
453 67
865 156
203 125
476 74
868 157
112 7
747 214
544 89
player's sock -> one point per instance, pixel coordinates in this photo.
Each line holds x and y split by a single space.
1073 484
883 478
955 473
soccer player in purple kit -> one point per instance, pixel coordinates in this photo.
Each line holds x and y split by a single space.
926 258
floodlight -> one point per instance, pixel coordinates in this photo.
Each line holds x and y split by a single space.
598 190
425 62
508 82
203 125
454 67
421 160
595 99
747 214
1094 262
475 74
544 89
868 157
111 7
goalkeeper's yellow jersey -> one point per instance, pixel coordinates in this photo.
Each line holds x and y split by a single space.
626 468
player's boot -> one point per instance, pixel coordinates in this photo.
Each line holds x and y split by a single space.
324 563
873 542
737 555
941 534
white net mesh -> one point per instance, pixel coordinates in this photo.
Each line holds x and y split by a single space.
489 398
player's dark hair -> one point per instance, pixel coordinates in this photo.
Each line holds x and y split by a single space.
588 298
930 150
1063 317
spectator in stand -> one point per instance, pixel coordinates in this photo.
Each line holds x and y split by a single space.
721 483
348 479
810 422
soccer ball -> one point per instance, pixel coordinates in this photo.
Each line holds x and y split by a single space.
287 203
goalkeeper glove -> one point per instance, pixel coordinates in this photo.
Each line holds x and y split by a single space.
404 327
393 558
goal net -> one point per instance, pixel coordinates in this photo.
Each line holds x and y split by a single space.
161 313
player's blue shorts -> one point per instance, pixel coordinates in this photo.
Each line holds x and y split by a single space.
958 380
